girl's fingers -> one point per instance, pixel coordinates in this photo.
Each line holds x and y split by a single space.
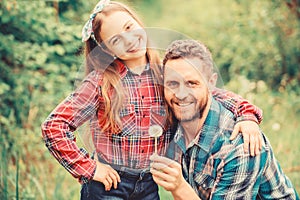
246 142
116 175
235 132
106 185
114 178
252 145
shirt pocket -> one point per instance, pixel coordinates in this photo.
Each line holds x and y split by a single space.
158 115
128 118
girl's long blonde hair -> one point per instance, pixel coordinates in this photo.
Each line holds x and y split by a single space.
97 58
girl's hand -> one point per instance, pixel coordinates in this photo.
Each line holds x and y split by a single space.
251 133
107 175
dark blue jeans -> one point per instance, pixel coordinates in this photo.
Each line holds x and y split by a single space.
134 185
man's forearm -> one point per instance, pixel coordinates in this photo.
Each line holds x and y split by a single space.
185 192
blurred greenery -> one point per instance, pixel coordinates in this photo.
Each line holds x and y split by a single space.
255 45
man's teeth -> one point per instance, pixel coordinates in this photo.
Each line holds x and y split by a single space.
183 104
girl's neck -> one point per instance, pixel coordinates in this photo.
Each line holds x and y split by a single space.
137 65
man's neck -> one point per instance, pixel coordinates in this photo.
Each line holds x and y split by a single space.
192 128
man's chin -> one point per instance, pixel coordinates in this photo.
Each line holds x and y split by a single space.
182 118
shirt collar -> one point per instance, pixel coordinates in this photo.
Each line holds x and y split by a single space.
206 135
123 69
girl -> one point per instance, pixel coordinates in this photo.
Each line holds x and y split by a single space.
121 97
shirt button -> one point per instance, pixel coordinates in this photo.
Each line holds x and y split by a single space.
204 185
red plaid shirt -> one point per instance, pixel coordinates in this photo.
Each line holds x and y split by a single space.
133 146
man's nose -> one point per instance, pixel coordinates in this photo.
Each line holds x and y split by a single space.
181 92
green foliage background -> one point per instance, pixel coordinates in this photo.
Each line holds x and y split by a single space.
255 45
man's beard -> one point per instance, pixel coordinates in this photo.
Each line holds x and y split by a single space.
196 115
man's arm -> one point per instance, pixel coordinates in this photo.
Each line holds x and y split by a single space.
245 177
236 179
239 174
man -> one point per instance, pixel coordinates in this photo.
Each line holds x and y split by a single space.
212 166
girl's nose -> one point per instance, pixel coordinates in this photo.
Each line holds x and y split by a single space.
129 38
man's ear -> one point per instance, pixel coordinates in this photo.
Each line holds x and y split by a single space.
213 80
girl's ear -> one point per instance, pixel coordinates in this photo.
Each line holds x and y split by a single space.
213 80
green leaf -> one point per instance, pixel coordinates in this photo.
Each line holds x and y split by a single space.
59 50
4 88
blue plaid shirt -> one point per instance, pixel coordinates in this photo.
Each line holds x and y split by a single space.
218 168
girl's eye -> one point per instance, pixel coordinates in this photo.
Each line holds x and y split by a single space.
128 27
115 40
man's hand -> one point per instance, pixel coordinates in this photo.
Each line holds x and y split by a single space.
166 172
251 134
106 175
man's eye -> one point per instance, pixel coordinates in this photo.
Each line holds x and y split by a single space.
192 84
172 84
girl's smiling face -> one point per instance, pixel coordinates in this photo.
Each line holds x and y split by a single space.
124 37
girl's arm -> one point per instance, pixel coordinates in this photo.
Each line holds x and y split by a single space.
248 117
58 128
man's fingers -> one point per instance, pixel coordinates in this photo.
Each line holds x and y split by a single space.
166 169
159 166
163 183
163 160
162 175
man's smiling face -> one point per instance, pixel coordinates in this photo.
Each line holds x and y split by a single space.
186 89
